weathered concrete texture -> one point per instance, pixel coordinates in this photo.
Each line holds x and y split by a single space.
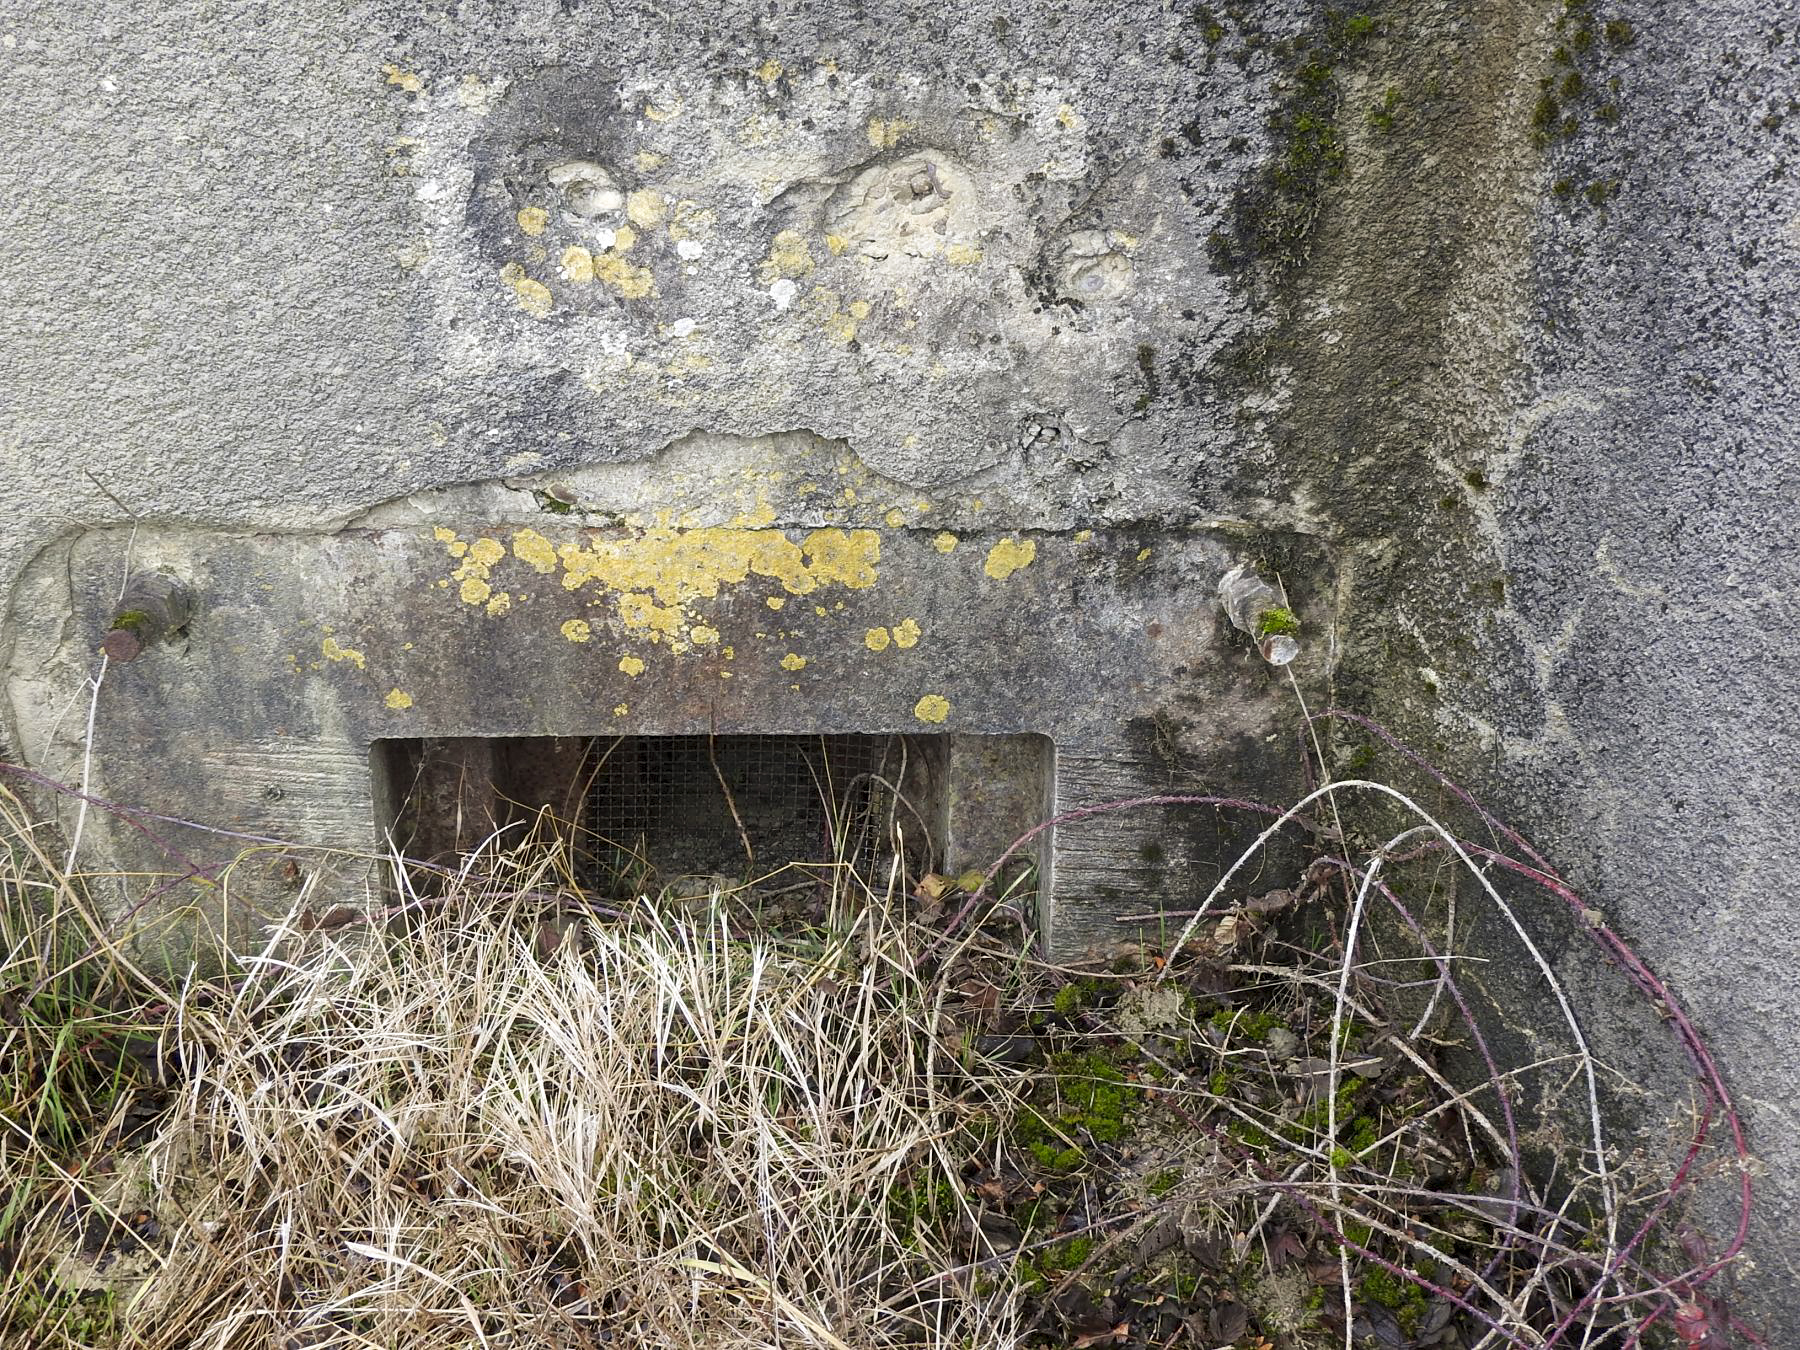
1493 305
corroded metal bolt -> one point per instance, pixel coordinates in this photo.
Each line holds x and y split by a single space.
154 606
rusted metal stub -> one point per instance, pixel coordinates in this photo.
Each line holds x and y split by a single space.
307 651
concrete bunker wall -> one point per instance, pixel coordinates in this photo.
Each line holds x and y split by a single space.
694 595
1477 320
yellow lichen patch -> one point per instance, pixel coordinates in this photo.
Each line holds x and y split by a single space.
631 665
621 709
403 79
943 541
932 708
444 535
775 601
577 265
532 548
858 309
498 604
474 591
1082 536
532 220
662 112
793 661
577 630
877 639
335 651
648 161
788 257
398 699
1143 555
641 613
906 633
631 282
533 296
847 558
645 208
895 518
487 551
769 71
1066 118
962 255
836 243
885 132
1008 556
702 636
623 239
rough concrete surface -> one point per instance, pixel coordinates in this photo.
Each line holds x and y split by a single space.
1515 339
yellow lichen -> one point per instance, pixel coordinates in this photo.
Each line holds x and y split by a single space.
621 709
906 633
876 639
793 661
474 591
532 220
702 636
769 71
885 132
962 255
1082 536
443 535
498 604
775 601
398 699
577 630
531 547
943 541
645 208
630 281
335 651
403 79
1008 556
487 551
932 708
1143 555
788 257
631 665
577 265
533 296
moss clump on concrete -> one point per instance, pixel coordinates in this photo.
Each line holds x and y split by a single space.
131 621
1277 621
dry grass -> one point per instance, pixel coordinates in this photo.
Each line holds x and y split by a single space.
507 1130
498 1120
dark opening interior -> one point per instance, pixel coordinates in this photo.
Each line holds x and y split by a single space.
640 811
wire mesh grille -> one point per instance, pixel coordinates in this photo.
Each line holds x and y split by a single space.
669 799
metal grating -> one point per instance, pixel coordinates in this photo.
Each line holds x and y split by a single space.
660 800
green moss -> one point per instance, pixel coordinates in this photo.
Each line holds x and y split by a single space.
131 620
1404 1298
1087 1098
1253 1026
556 506
1597 194
1277 621
1571 86
1164 1182
1068 1000
1620 33
1381 116
1220 1082
1544 114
